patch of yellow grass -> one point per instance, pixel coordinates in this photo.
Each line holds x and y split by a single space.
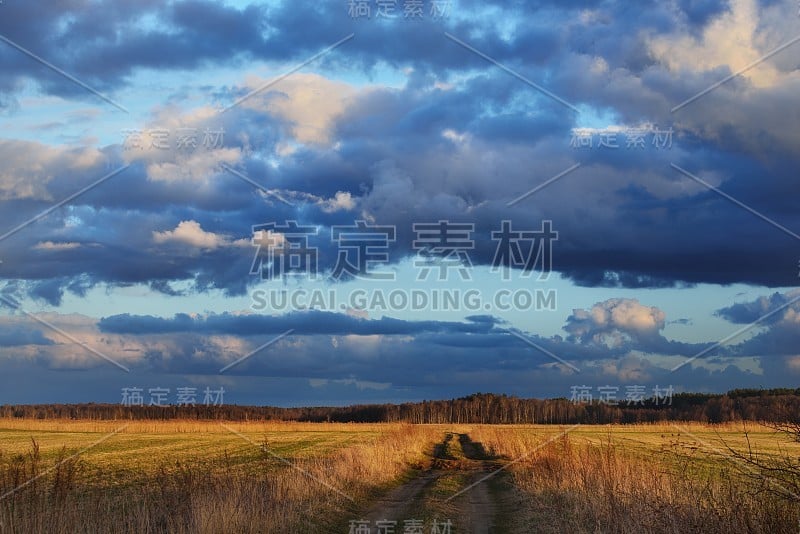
646 478
208 477
198 477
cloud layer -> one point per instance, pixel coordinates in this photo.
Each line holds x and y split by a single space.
409 121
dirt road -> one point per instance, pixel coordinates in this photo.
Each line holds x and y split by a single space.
464 487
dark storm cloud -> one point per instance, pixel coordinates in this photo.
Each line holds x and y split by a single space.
452 363
618 335
103 43
777 317
459 141
749 312
29 384
301 323
621 347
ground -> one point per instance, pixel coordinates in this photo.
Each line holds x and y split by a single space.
187 476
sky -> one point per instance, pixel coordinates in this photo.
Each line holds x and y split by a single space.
327 203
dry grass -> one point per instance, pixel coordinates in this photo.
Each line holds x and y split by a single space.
643 478
238 487
178 426
190 476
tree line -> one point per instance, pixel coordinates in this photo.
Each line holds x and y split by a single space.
769 405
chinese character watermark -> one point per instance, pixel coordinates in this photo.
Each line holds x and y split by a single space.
628 138
284 250
361 247
634 395
408 526
443 246
524 249
395 9
179 139
159 396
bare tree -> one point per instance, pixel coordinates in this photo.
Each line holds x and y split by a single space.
777 475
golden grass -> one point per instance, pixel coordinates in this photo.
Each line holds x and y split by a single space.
179 426
644 478
199 477
208 477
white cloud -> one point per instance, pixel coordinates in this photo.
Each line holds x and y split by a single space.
454 136
192 234
631 369
50 245
731 40
309 103
65 353
200 166
342 201
29 167
610 321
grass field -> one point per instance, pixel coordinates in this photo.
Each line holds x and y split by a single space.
186 476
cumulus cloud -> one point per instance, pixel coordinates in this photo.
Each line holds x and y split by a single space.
191 233
731 41
776 327
306 103
342 201
765 308
626 316
29 168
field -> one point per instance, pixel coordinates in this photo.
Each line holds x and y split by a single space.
187 476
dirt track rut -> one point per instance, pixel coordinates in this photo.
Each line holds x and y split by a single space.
452 488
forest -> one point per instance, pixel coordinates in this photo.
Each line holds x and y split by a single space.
766 405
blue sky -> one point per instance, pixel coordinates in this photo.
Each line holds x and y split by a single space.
146 147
